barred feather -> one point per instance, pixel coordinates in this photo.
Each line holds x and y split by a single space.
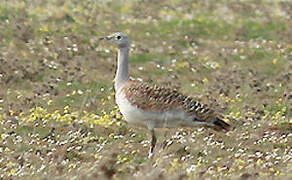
161 99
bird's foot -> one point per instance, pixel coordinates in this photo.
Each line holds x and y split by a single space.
150 154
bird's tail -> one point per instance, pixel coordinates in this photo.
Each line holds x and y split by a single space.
219 124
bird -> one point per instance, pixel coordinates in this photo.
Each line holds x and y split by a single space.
152 106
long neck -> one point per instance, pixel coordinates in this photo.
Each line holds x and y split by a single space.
122 74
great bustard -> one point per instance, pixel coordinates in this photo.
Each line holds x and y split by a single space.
152 106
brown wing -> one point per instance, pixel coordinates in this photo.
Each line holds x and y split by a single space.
154 98
160 99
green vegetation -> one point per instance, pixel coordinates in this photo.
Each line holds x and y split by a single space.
58 119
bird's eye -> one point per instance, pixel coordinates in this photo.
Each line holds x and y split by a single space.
119 37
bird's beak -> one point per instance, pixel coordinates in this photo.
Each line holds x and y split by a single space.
106 38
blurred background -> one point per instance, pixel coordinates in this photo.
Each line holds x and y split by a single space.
57 111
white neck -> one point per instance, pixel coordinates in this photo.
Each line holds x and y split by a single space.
122 74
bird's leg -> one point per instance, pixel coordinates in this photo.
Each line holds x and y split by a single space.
153 143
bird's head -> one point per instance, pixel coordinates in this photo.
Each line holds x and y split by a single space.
119 38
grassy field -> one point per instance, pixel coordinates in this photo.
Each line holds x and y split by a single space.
58 118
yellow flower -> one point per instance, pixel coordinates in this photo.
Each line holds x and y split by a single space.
50 102
259 162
